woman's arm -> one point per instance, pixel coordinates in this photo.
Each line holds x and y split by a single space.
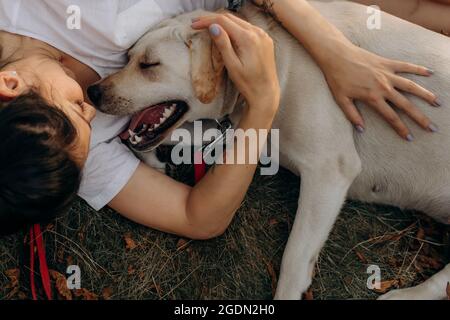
351 72
206 210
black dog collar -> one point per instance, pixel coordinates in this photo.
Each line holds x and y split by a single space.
235 5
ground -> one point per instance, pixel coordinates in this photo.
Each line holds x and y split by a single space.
121 260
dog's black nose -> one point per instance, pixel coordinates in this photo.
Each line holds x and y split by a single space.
95 94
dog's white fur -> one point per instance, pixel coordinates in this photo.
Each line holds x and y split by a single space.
316 140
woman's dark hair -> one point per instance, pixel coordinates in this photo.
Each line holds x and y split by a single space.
39 177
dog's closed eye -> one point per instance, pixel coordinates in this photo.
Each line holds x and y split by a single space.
145 65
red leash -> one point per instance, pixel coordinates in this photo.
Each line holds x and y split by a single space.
37 243
199 166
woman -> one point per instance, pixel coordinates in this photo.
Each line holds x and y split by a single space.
45 120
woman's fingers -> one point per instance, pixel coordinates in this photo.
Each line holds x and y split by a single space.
412 111
351 112
205 21
234 30
223 44
413 88
386 111
405 67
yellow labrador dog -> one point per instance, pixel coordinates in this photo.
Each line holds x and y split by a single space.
176 76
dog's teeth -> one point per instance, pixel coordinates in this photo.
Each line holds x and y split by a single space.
131 133
156 126
138 139
167 113
162 120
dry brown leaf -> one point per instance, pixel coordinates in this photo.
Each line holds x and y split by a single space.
386 285
129 242
361 257
131 270
273 222
61 285
273 277
69 261
182 244
85 294
420 234
429 262
308 295
107 293
13 275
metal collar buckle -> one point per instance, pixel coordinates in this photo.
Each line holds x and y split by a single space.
224 124
235 5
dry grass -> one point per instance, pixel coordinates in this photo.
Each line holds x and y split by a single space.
242 263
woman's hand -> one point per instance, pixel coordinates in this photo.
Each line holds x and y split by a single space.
249 57
356 74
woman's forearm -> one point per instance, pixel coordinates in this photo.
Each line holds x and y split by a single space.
304 22
214 200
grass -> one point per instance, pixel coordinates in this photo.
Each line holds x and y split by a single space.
243 263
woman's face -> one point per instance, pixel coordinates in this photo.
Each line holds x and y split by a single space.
57 85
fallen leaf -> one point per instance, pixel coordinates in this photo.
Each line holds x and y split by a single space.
361 257
308 295
13 275
273 277
60 255
273 222
429 262
129 242
85 294
107 293
420 234
182 244
131 270
386 285
61 285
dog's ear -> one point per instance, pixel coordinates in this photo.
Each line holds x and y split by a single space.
207 67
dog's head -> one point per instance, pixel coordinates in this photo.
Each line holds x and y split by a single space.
175 75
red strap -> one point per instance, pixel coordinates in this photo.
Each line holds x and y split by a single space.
45 274
199 166
36 239
32 284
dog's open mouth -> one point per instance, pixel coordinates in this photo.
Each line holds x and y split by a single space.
147 128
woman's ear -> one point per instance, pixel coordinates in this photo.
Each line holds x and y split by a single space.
10 85
207 67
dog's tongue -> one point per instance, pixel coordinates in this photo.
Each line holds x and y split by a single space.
150 116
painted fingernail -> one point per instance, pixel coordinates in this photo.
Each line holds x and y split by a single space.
195 20
359 128
410 138
437 103
433 127
430 71
214 30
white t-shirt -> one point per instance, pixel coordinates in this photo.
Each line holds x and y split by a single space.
108 29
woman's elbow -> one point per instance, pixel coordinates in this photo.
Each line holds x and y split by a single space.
202 233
